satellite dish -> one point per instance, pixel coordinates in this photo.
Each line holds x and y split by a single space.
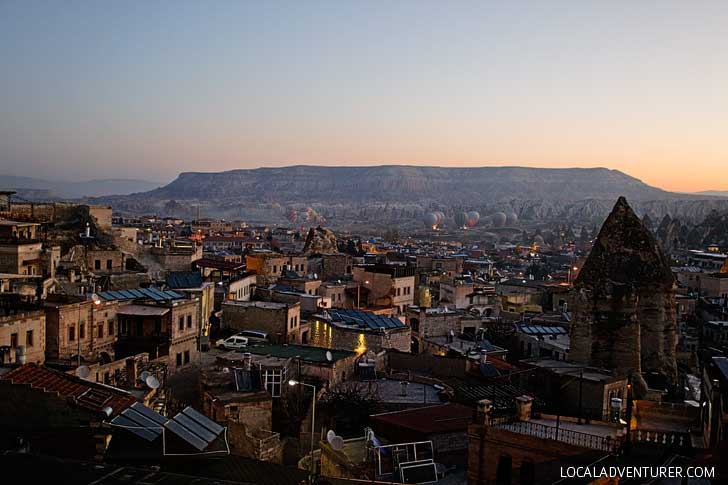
107 411
83 371
329 356
330 435
143 376
337 443
152 382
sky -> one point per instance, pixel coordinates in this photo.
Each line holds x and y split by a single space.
148 89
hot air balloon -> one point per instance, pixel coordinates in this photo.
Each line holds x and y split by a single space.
499 219
461 219
440 218
472 218
430 220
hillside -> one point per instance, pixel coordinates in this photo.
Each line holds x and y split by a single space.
395 193
40 189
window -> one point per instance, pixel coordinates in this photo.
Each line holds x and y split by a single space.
272 380
187 356
109 264
110 326
123 327
181 323
398 291
29 338
71 333
82 330
97 264
179 359
100 331
13 340
275 268
189 321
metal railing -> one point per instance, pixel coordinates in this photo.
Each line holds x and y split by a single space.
568 436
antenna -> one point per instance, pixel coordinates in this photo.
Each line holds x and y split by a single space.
329 356
152 382
83 371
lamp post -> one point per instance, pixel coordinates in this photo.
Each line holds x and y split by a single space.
294 382
358 294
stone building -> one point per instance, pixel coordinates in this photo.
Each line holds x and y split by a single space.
26 330
334 265
386 285
282 321
269 266
359 331
623 302
86 328
161 329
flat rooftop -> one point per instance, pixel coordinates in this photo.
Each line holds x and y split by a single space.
390 391
271 305
306 353
570 368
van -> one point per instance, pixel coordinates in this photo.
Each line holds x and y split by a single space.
255 336
233 343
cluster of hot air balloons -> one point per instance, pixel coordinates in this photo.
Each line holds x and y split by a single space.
464 220
467 219
308 214
434 219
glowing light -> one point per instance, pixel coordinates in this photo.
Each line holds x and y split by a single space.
361 346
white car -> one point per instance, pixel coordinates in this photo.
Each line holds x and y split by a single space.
233 343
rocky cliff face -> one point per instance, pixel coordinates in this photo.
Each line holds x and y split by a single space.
320 241
623 301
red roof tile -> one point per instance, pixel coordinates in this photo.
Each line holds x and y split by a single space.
86 394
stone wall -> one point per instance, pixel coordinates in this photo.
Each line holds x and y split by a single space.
25 326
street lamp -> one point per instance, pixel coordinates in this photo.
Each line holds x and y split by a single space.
358 294
294 382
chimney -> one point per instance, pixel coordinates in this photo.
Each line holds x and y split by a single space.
20 355
523 407
248 361
131 371
482 416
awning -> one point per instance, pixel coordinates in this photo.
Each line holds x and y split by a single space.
143 311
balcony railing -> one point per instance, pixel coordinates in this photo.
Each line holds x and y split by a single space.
568 436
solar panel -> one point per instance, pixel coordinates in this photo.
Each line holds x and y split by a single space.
142 421
136 293
199 430
421 473
152 415
203 420
133 427
186 434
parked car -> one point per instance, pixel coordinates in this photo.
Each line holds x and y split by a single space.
233 343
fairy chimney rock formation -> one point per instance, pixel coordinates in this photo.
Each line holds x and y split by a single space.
623 302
